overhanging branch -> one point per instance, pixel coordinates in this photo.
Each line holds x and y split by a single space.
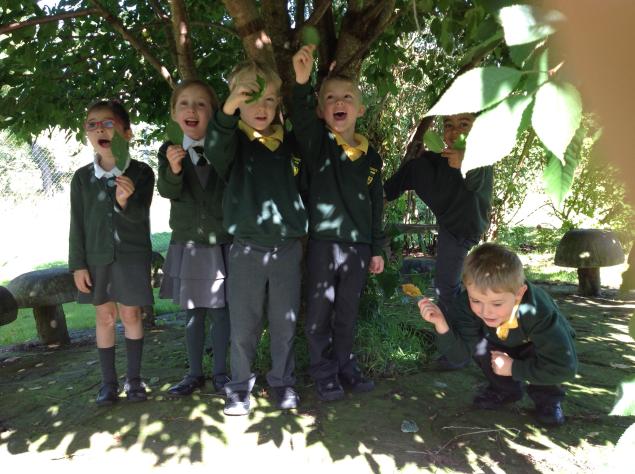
8 28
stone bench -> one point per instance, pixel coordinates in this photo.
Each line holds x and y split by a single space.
46 290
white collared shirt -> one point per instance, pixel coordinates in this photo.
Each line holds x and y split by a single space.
189 144
102 173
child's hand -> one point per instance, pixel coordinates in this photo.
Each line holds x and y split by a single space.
82 280
454 157
241 93
303 63
502 364
175 155
432 313
125 188
376 264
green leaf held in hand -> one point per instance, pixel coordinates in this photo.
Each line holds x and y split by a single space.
119 147
258 94
459 143
433 141
310 35
174 133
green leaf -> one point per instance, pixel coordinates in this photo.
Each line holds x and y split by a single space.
631 326
481 48
493 133
433 141
522 52
539 74
388 282
174 133
556 116
477 89
525 24
258 94
558 177
120 149
459 143
310 35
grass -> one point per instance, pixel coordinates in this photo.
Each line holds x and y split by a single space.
78 316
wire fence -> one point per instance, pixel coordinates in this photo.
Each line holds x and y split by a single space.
35 200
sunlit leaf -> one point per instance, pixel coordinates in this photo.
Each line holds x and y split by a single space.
174 133
433 141
120 150
477 89
525 24
258 94
310 35
558 177
556 116
493 133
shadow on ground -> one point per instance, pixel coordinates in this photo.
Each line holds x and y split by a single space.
47 413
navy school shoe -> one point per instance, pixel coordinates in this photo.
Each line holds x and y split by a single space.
108 395
237 403
135 390
550 414
491 399
356 382
286 397
329 389
187 386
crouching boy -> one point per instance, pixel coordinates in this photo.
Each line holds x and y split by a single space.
512 329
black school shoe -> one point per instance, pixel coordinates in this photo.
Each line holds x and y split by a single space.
108 395
187 386
356 382
237 403
286 397
329 389
490 399
219 381
135 390
550 415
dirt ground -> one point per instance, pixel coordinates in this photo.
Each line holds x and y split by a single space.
48 417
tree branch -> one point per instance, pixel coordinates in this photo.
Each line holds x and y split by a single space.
45 19
183 43
135 42
167 30
250 28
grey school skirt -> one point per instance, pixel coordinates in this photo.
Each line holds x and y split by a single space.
125 283
194 275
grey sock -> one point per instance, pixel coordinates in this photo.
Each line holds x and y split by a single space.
195 340
220 338
107 364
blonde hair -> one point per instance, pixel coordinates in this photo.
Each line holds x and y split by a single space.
181 86
493 267
341 78
252 69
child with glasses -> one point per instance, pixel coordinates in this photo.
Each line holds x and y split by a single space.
109 245
195 269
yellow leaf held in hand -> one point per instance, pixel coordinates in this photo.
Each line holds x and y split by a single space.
411 290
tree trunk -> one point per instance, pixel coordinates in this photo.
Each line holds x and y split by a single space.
50 322
589 281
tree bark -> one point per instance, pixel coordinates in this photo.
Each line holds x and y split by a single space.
250 28
182 40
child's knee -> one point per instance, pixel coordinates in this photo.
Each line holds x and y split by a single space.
130 315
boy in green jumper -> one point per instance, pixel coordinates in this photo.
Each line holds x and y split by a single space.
263 210
512 329
345 223
461 205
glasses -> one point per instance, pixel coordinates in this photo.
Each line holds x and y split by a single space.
95 124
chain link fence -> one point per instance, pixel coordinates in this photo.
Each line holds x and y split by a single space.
35 200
